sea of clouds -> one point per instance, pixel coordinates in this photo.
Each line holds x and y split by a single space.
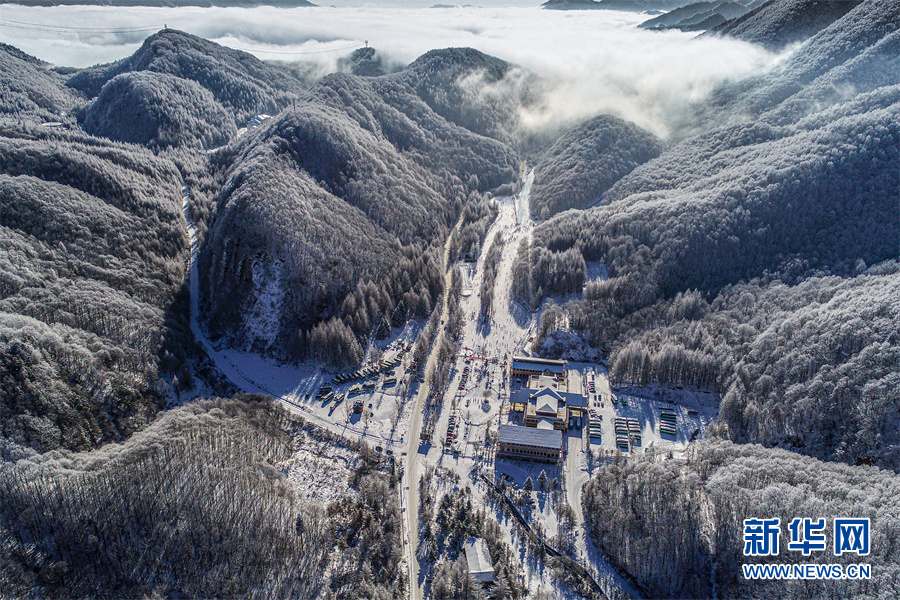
595 61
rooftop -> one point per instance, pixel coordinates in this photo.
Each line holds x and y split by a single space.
530 436
547 405
570 399
537 382
541 364
479 560
549 393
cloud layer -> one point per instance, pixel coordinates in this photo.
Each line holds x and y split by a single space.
597 61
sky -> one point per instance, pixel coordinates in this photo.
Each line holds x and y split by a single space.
597 61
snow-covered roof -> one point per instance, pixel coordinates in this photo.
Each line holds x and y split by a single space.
479 559
545 424
570 399
520 395
548 392
530 436
547 405
542 381
538 364
575 400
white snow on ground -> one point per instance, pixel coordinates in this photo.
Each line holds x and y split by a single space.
644 404
297 386
503 335
479 403
321 471
261 321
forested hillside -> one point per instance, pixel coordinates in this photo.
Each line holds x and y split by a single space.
330 217
93 255
628 5
481 93
91 302
326 222
338 209
203 492
677 526
240 82
30 90
158 111
778 23
585 162
796 203
365 62
701 16
746 199
94 337
811 367
855 54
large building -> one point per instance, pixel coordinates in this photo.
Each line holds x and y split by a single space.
544 401
526 366
530 443
479 560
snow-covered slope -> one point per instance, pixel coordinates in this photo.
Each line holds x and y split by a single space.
778 23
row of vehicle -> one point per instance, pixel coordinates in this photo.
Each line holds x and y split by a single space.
329 396
451 431
363 373
628 425
368 386
595 423
388 365
629 428
465 376
668 421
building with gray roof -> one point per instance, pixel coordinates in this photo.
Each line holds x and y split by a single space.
530 443
479 560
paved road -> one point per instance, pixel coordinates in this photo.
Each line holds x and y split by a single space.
412 451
